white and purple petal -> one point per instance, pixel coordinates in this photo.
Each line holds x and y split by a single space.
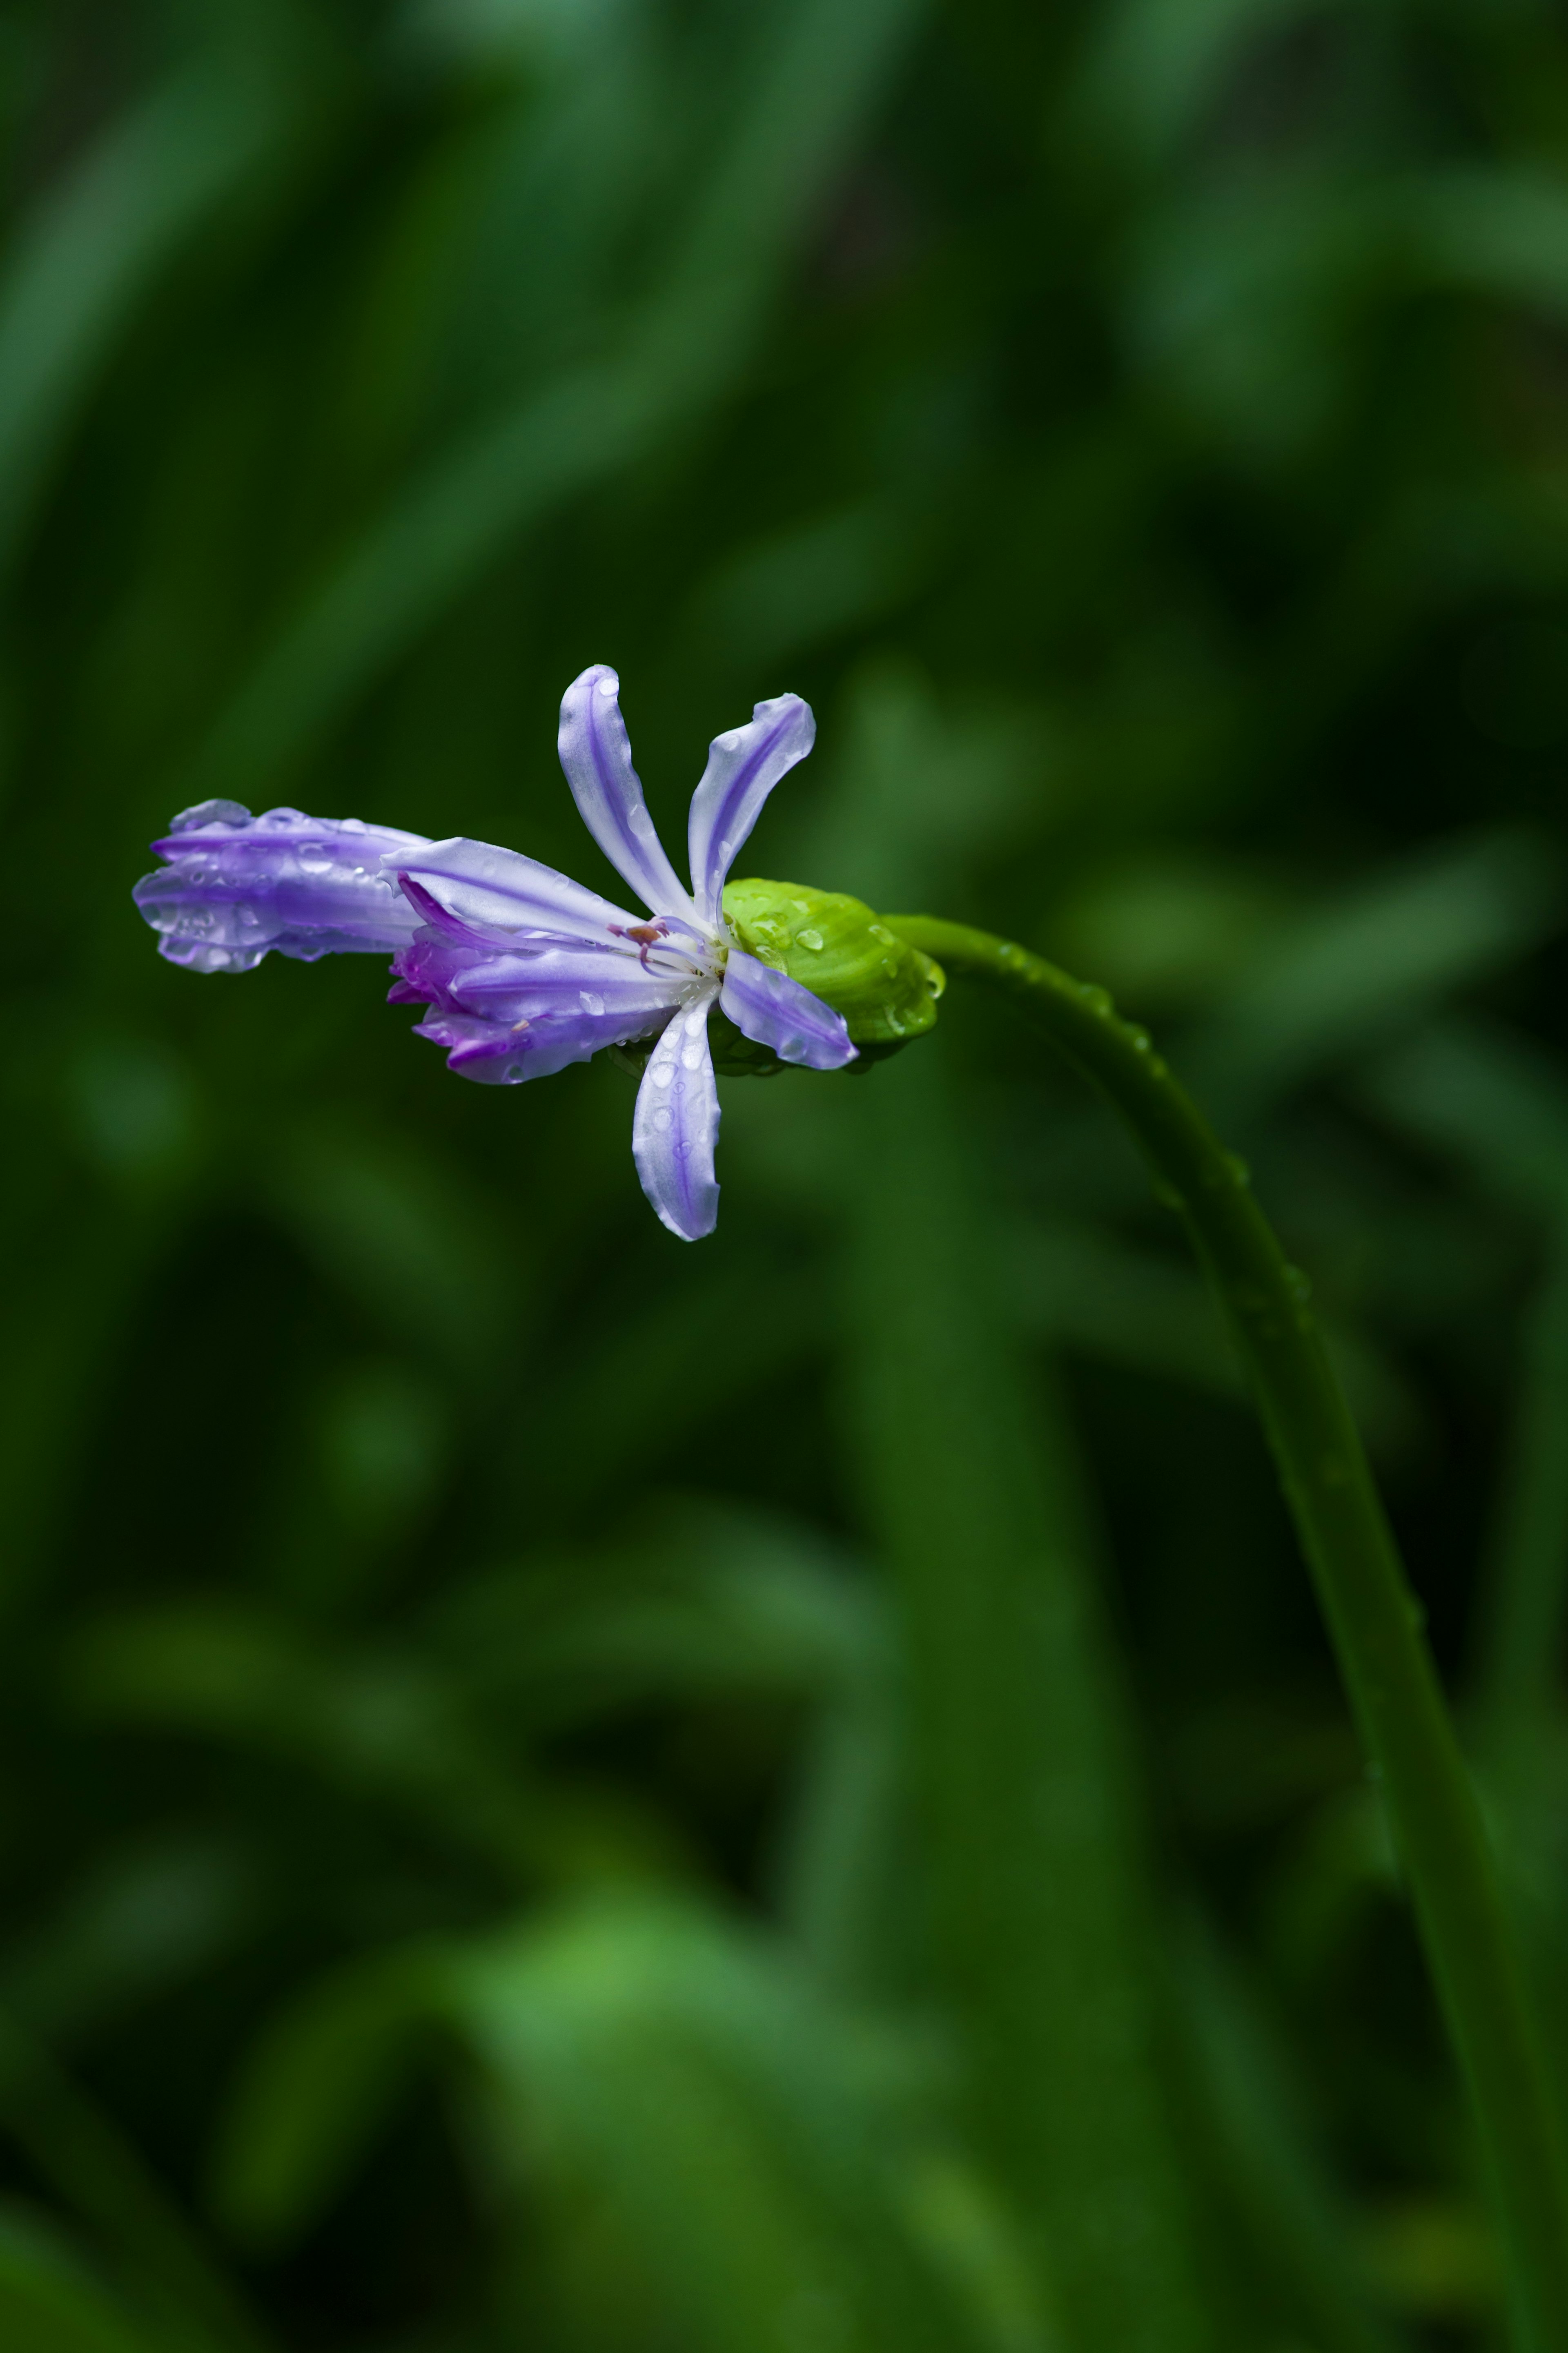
500 1053
235 887
675 1128
530 989
501 893
743 766
776 1011
597 758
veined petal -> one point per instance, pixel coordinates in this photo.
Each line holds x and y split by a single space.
675 1126
501 892
597 758
743 768
514 988
777 1011
499 1054
554 981
238 886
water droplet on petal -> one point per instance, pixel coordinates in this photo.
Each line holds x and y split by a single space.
606 687
591 1003
663 1119
692 1059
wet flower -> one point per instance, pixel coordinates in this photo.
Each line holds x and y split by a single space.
521 969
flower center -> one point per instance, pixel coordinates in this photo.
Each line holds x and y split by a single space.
699 951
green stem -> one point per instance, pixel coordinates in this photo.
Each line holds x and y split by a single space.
1372 1617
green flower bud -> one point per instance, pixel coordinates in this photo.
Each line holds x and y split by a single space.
844 953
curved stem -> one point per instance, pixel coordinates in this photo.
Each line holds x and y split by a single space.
1374 1619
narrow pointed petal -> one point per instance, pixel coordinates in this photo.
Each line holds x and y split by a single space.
501 892
235 887
743 768
780 1012
676 1126
597 758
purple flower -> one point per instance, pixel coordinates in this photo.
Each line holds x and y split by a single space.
523 970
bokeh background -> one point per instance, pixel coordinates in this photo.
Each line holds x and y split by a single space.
564 1791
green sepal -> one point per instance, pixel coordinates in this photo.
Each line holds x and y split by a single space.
841 951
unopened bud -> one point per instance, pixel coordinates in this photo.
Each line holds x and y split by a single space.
841 951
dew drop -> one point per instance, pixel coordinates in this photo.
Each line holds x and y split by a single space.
663 1073
1098 1000
808 939
691 1060
591 1003
663 1119
606 687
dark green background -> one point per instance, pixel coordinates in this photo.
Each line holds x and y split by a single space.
567 1792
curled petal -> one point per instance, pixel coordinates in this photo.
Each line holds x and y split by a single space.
236 886
501 893
675 1126
777 1011
501 1054
743 768
597 759
544 982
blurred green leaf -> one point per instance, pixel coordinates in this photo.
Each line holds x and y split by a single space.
95 245
315 2089
1021 1758
722 2110
1350 976
49 2303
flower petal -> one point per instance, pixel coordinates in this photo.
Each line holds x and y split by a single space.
548 981
597 759
676 1124
236 886
497 1055
743 768
784 1014
500 891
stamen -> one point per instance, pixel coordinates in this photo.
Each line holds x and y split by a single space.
647 935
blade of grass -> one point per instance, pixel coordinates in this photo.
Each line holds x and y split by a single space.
84 262
716 2104
1021 1759
803 93
1296 2220
105 2178
1371 1613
